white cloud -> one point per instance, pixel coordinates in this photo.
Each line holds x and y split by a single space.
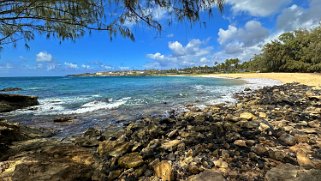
194 53
106 67
85 66
261 8
296 17
234 48
71 65
177 48
252 33
51 67
241 42
158 13
225 35
44 57
156 56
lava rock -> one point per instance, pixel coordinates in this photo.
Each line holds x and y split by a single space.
11 102
287 139
163 170
11 89
131 160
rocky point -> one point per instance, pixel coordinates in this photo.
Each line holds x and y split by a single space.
270 134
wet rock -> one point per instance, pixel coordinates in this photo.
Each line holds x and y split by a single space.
90 138
304 160
262 115
309 130
10 89
282 172
240 143
131 160
11 102
148 173
194 168
181 147
260 150
288 128
172 133
301 146
63 119
220 163
149 149
170 145
247 89
113 148
314 124
13 132
247 116
301 138
277 155
54 161
163 170
287 139
249 124
288 172
208 175
263 127
207 164
114 174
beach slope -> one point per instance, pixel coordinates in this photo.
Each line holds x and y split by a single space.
310 79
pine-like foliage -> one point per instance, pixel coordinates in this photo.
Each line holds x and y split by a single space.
71 19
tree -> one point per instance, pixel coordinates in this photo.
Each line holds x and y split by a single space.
297 51
71 19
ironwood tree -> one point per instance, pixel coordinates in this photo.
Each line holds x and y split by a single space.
71 19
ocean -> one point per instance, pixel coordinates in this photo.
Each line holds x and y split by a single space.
104 101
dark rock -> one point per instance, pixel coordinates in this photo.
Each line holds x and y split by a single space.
11 102
113 148
291 172
63 119
148 173
12 132
208 175
90 138
260 150
287 139
194 168
53 161
10 89
130 160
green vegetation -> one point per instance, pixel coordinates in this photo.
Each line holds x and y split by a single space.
298 51
71 19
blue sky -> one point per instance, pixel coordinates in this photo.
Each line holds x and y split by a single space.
239 32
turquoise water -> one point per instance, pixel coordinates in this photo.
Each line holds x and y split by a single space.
100 101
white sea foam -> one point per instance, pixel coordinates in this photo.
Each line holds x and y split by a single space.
225 93
58 106
98 105
257 83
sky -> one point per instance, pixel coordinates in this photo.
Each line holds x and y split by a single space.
239 32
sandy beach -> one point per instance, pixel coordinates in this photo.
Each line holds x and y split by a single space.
310 79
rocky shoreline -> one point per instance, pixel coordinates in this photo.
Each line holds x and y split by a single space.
269 134
11 102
